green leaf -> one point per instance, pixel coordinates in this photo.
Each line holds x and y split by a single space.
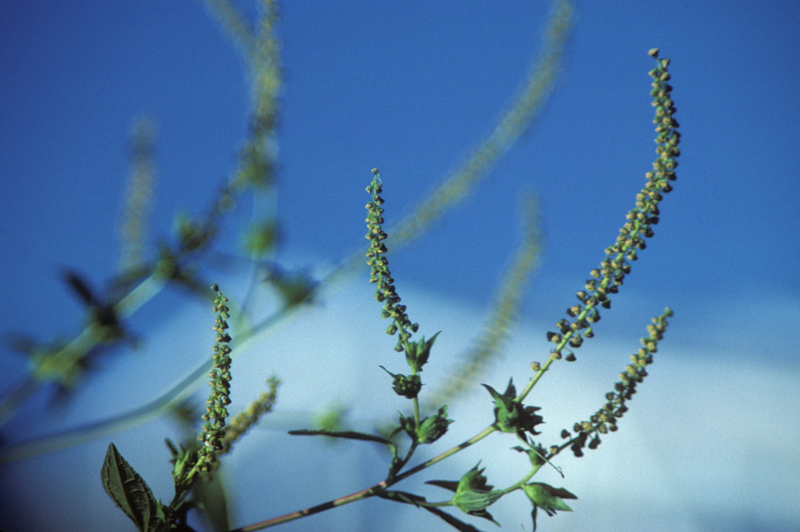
474 502
547 497
331 418
451 485
473 480
417 353
129 491
294 287
261 237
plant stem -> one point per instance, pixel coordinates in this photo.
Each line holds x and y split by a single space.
363 494
369 492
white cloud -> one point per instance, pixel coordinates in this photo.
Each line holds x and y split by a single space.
709 442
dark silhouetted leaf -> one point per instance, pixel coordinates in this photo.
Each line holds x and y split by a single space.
129 491
348 434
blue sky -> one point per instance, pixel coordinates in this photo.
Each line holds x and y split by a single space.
409 88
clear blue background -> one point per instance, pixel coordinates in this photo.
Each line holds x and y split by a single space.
408 88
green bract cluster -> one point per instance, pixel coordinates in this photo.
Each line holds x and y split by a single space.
473 494
511 415
417 353
406 385
429 429
547 498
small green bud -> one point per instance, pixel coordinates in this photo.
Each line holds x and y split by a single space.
433 427
406 385
553 337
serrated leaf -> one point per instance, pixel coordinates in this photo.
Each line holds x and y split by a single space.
129 491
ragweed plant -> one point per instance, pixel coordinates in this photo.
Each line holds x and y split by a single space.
471 493
178 262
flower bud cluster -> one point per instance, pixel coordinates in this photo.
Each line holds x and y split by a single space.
218 401
379 268
406 385
607 279
605 419
429 429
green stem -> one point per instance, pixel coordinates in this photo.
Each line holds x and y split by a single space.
553 356
368 492
518 485
363 494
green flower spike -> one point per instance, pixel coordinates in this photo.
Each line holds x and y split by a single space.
248 417
605 419
218 401
607 279
379 268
